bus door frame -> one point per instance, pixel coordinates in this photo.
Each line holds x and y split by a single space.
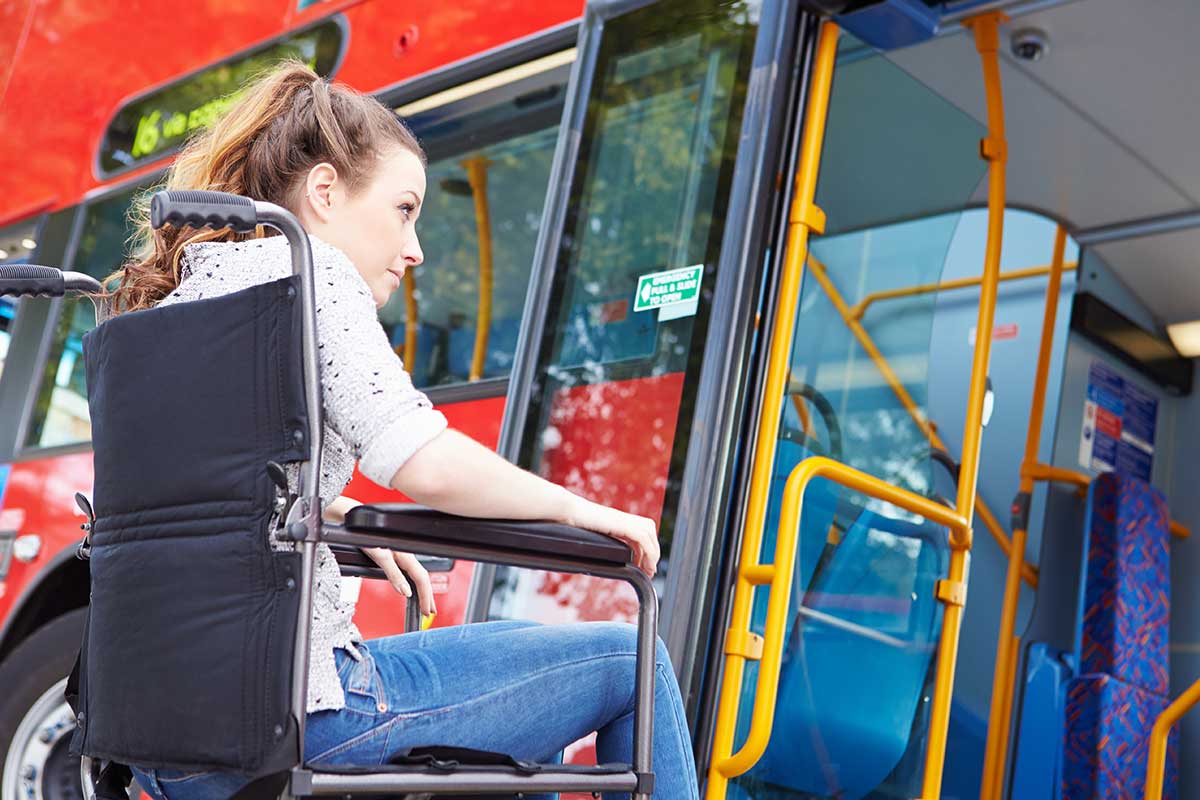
691 616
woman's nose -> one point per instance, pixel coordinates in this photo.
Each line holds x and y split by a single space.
412 254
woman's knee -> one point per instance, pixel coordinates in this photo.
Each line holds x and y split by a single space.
622 637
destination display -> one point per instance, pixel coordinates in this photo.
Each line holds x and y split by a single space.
156 124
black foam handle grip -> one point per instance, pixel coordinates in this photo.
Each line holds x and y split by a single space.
28 279
199 209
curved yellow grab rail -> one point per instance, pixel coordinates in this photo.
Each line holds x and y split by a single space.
476 167
1157 767
780 573
740 644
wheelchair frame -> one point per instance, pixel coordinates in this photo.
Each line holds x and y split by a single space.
398 527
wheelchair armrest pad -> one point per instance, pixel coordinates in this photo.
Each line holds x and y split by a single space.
540 538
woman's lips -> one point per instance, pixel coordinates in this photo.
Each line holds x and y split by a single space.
397 275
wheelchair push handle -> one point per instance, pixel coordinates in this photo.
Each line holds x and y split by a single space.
32 280
199 209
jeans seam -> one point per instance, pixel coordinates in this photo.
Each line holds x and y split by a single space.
680 723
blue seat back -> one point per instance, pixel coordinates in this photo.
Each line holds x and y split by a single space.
858 658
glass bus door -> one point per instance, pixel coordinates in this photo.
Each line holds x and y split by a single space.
642 296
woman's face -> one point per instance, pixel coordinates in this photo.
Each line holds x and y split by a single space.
376 225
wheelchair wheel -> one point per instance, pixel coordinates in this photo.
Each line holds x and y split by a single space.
35 720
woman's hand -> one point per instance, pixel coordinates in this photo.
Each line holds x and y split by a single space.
395 564
640 533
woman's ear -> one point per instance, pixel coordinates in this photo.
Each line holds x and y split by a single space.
321 188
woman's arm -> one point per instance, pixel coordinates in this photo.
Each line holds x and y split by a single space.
392 562
336 510
456 474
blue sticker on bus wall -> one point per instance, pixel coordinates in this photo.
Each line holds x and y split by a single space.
1119 421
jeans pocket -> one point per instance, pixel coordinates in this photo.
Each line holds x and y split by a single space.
364 691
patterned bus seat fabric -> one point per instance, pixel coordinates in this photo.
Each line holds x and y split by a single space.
1108 740
1122 643
1127 588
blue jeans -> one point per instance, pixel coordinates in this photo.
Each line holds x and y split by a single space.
512 687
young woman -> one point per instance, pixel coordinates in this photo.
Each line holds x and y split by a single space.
354 175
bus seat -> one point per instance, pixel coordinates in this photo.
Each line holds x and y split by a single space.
1109 689
1121 641
858 660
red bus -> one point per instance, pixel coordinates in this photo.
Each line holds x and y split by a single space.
682 255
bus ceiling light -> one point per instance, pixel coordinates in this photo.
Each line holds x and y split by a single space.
28 244
1186 337
1030 44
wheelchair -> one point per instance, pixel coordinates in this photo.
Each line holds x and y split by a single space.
194 407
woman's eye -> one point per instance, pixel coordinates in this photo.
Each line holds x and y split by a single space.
407 209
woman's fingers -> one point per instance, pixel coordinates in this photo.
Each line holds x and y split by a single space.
387 562
420 578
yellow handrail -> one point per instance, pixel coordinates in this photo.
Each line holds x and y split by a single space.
1158 739
780 574
1002 677
860 308
411 321
821 273
995 149
804 217
477 176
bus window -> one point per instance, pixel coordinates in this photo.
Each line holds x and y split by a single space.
17 245
60 413
499 138
489 144
616 368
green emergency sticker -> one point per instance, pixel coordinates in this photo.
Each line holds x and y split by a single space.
668 288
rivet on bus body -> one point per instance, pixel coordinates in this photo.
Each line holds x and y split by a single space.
406 40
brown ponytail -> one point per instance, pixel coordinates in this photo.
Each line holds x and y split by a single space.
281 126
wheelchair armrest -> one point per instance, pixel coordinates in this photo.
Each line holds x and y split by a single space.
353 561
425 530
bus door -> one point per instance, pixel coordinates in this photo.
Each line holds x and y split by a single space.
633 354
828 690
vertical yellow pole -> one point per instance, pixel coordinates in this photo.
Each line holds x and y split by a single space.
477 176
994 148
804 216
411 321
1003 678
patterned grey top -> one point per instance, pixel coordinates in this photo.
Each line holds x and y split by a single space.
372 412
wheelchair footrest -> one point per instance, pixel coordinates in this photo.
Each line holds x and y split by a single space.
453 777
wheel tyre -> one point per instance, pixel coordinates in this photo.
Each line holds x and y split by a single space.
30 671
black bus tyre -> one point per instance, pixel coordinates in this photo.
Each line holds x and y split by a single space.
35 720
